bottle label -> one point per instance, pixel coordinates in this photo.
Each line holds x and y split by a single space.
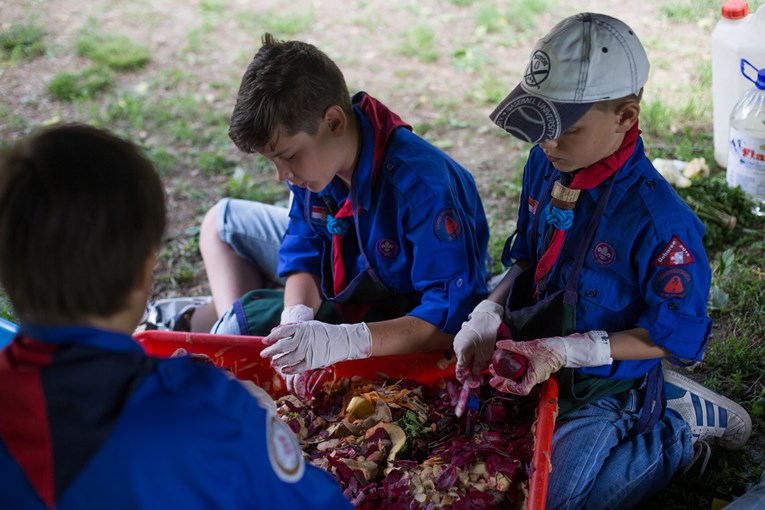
746 163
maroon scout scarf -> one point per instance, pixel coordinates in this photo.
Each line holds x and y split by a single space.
384 122
586 178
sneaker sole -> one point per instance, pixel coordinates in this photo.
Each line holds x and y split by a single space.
732 407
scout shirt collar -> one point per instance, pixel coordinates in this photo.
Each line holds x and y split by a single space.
622 180
81 335
377 126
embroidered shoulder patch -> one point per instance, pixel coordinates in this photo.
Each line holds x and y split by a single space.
447 225
673 283
319 214
674 254
284 452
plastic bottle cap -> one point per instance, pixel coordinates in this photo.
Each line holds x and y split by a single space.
760 83
735 9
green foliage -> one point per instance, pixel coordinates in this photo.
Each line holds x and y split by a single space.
71 86
213 6
523 14
215 163
489 19
289 24
720 207
420 42
247 186
696 10
6 309
22 41
656 118
175 260
116 51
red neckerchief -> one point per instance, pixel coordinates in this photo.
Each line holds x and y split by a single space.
384 122
587 178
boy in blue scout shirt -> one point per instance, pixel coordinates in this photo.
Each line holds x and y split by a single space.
608 276
88 420
385 245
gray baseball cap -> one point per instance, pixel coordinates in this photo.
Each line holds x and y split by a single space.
584 59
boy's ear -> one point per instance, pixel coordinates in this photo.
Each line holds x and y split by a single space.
627 114
335 118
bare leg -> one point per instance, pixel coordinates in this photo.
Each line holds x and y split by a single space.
203 318
230 276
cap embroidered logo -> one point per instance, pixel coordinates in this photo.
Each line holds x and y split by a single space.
538 69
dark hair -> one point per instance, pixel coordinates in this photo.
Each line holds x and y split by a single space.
288 84
80 212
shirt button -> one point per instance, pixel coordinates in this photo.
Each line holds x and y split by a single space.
458 283
592 293
672 306
650 184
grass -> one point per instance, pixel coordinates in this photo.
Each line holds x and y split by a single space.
6 310
420 42
116 51
283 24
85 84
22 41
695 10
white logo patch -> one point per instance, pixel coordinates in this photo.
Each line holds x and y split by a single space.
284 451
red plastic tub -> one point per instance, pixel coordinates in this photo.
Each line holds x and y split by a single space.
242 355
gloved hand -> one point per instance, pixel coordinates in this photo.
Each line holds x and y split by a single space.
474 343
290 314
296 313
296 347
548 355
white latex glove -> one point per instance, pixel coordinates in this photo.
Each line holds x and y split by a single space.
290 314
548 355
296 347
296 313
474 343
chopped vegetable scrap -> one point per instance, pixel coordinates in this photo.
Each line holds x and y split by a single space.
399 445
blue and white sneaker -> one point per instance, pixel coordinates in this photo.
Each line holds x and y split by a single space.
171 314
710 415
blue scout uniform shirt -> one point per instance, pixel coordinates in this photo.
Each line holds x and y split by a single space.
422 225
646 266
90 421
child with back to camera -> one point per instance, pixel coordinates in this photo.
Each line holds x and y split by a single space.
89 420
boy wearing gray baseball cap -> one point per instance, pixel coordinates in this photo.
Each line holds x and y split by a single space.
608 276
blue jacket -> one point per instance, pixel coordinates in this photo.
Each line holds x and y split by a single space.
646 266
89 421
422 226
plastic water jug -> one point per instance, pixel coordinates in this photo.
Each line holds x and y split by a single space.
746 156
737 35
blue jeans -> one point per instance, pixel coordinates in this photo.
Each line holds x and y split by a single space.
254 231
752 500
595 466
